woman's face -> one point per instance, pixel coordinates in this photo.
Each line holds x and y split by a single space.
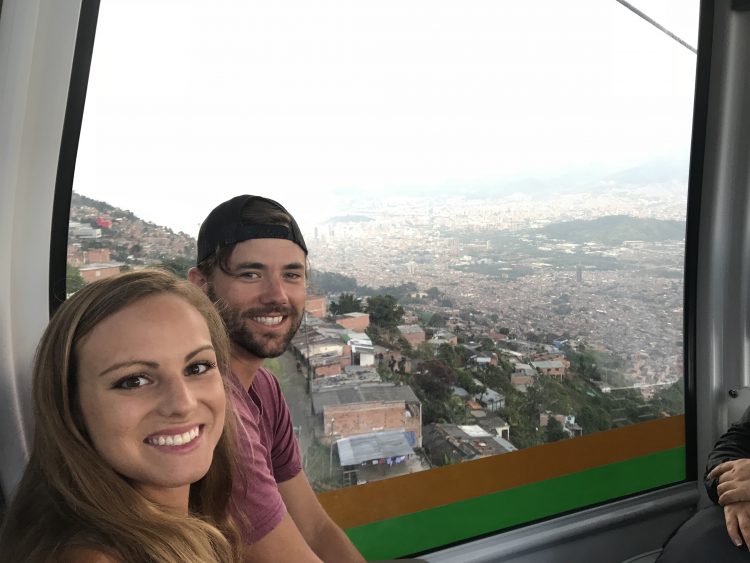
151 395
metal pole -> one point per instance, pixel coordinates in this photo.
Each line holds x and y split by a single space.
330 449
657 25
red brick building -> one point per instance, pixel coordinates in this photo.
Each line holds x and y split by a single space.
94 272
351 411
354 321
316 306
413 334
553 368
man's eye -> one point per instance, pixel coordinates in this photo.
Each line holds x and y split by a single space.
131 382
248 275
199 368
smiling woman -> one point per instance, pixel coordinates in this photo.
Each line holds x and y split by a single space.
133 456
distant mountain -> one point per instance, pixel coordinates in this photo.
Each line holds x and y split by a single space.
614 229
654 172
592 179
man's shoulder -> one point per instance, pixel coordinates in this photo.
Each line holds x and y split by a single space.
265 382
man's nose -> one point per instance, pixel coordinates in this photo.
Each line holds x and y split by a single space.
274 290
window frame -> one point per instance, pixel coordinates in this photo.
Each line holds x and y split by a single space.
63 194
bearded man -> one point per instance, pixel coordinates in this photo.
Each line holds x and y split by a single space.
252 262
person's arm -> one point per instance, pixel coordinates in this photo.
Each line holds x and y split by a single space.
733 445
327 540
283 543
262 520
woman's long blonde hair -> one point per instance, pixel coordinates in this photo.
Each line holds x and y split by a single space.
69 496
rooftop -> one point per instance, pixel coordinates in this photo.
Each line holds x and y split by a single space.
366 393
410 329
367 447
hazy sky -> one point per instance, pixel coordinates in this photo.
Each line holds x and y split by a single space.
190 102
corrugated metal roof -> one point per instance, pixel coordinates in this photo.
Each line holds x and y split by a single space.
377 445
362 394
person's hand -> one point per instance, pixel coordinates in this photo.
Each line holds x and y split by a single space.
734 481
737 518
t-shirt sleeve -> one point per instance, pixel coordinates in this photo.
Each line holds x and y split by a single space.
285 454
255 495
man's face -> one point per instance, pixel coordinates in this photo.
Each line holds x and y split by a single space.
264 296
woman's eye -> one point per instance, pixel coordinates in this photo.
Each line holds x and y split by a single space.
199 368
131 382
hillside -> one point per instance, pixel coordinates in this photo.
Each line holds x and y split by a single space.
130 239
613 230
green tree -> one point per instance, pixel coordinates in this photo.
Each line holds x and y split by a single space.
347 303
670 399
402 291
459 413
436 380
554 431
456 356
384 311
405 346
331 282
487 344
437 320
424 351
178 265
73 279
467 382
593 419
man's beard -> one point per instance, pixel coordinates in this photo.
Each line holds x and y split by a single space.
260 346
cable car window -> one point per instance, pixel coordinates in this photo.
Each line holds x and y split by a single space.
494 199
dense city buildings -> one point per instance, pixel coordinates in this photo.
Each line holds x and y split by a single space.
497 261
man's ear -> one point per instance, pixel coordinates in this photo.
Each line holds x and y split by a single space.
196 277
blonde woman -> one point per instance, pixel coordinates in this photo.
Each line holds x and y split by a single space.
133 457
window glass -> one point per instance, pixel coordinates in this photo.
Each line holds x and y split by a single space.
494 200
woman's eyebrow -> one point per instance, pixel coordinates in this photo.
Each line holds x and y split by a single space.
152 365
129 363
197 351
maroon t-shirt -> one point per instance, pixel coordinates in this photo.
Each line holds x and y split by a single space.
267 450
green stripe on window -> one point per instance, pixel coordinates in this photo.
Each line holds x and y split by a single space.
430 529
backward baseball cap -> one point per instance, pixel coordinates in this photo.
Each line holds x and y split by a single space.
225 226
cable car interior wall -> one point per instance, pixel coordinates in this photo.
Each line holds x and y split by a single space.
616 493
